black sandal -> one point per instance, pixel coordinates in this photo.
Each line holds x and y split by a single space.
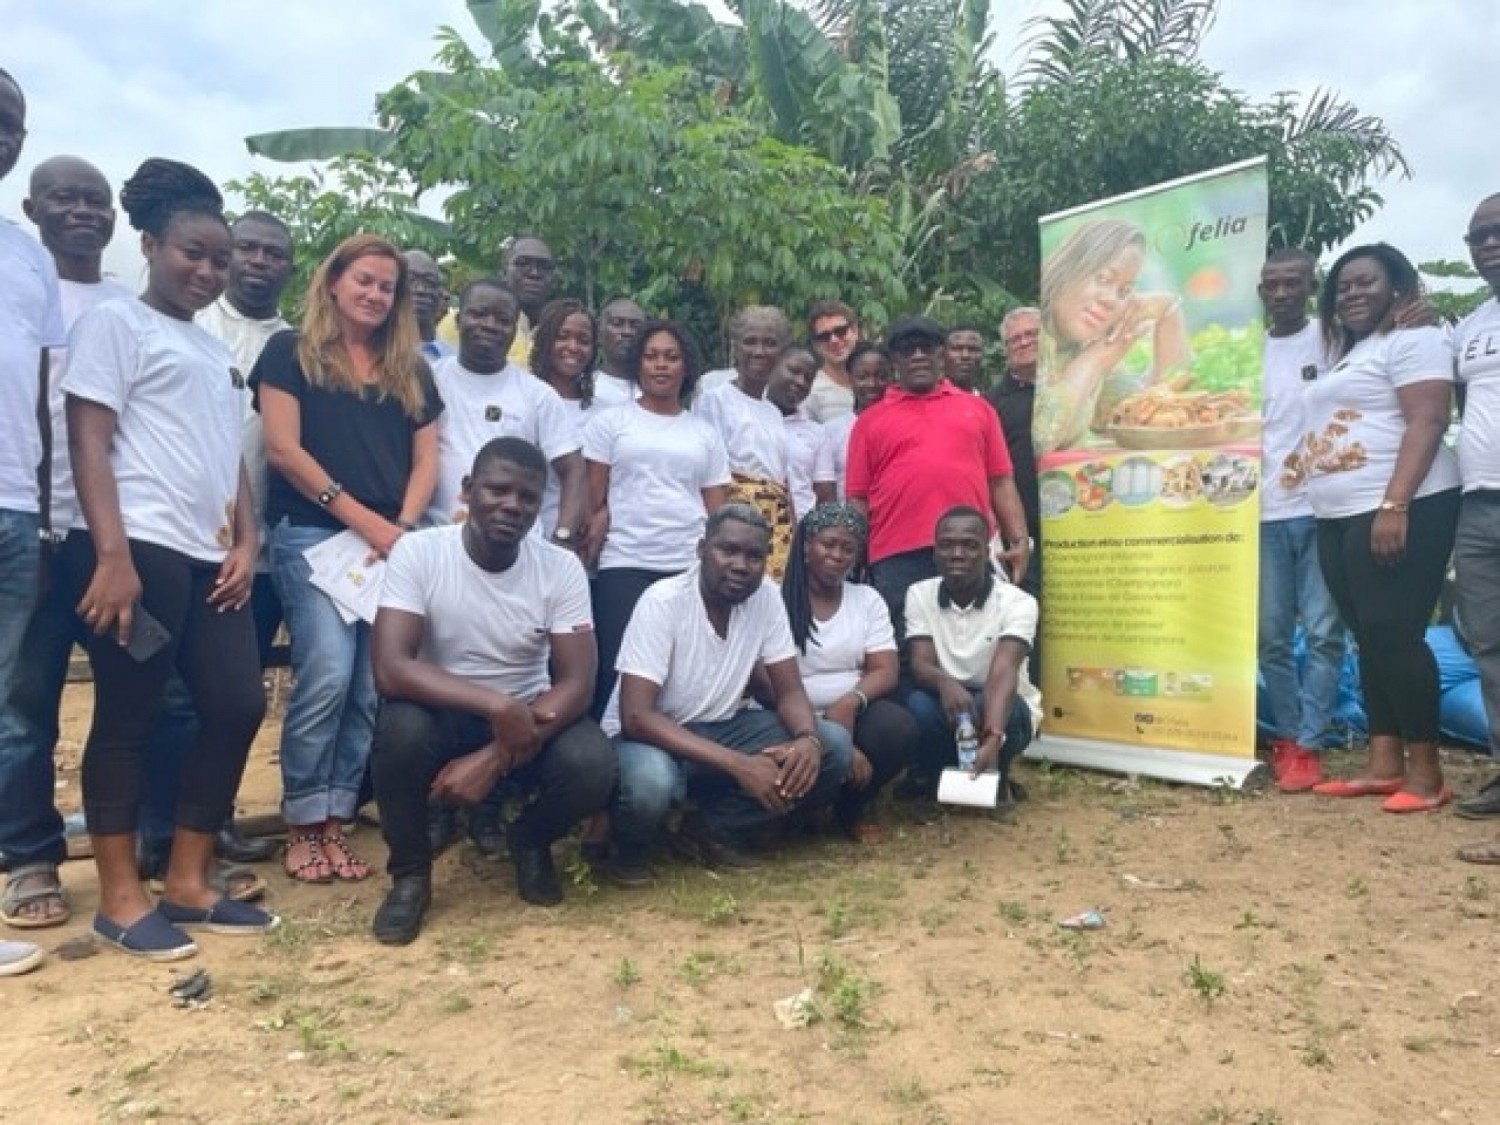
316 857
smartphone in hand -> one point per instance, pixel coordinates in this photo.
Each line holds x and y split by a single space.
148 636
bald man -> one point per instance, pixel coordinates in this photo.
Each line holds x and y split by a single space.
72 206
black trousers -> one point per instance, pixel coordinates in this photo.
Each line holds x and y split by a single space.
1388 609
214 653
887 735
614 593
570 778
893 576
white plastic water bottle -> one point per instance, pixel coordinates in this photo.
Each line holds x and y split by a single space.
966 741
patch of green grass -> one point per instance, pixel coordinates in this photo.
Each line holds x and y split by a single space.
455 1003
836 919
846 994
664 1062
626 974
1475 888
722 908
1062 845
1013 912
1315 1055
1356 887
1208 984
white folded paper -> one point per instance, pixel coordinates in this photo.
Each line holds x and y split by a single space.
339 569
956 787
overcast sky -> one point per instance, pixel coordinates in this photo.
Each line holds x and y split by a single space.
116 81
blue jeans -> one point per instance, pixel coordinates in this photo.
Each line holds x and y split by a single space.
652 780
1292 589
330 721
30 829
935 748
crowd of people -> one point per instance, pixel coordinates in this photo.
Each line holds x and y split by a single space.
619 594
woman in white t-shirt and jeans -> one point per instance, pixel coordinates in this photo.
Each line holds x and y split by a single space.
846 652
1384 490
656 473
155 406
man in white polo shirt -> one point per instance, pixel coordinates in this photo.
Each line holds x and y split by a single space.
483 653
678 709
30 323
968 635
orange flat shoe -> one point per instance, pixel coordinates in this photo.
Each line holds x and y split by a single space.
1408 802
1360 787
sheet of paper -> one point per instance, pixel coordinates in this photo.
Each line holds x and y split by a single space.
955 787
339 569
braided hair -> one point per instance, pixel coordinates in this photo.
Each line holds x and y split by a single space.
162 189
548 328
794 592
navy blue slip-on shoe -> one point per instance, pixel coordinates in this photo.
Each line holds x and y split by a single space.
224 917
153 938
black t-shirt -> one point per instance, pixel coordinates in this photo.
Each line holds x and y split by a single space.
361 440
1013 401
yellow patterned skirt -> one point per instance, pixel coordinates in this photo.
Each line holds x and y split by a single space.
771 499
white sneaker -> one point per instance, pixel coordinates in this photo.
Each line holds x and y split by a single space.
17 957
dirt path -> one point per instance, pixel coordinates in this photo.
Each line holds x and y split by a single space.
1267 960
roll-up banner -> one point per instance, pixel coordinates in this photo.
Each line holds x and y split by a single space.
1147 432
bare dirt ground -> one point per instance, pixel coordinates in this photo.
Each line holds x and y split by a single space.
1267 960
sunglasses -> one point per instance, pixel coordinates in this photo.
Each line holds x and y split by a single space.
837 332
1478 236
912 345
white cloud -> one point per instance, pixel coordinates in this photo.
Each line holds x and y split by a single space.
116 81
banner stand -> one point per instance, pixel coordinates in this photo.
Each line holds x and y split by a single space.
1210 770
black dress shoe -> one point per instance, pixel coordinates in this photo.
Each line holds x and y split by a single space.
696 841
487 835
399 919
536 876
236 847
1484 805
442 829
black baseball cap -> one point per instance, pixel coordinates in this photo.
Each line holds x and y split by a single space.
914 328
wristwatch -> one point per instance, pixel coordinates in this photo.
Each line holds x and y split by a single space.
563 537
1394 505
330 493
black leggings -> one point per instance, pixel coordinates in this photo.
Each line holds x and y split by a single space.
886 734
614 593
1388 609
215 653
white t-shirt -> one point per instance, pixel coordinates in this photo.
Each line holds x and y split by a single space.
30 319
77 299
246 337
835 656
659 466
1476 349
828 401
477 409
611 390
1290 366
714 379
180 404
493 629
702 676
965 639
751 430
1355 425
809 461
838 432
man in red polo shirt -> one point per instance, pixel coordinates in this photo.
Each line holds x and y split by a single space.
924 448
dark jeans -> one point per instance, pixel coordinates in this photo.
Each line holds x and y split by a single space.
1388 608
652 780
31 831
935 748
887 735
213 652
177 726
614 593
571 777
894 575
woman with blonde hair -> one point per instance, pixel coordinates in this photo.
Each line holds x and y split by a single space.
349 408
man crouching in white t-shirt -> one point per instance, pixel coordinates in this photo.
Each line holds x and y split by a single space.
483 652
679 713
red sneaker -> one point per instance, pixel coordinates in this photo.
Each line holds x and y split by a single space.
1282 750
1303 769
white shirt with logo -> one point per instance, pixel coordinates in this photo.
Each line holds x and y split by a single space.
1291 365
30 319
179 401
1476 351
